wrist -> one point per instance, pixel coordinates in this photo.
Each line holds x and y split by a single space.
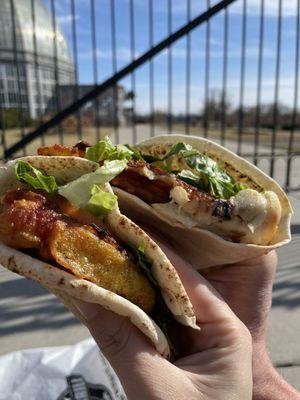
267 383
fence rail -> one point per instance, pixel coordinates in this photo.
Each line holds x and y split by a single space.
220 69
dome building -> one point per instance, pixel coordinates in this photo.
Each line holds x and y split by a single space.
28 75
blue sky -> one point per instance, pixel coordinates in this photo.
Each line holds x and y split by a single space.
160 29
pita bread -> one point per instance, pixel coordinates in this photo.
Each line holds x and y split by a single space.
201 247
64 284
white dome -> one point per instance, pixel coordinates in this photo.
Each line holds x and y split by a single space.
29 79
24 30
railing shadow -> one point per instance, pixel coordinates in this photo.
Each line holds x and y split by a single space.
295 229
27 306
286 290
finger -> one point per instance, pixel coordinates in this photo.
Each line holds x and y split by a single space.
129 351
220 327
247 288
115 334
208 303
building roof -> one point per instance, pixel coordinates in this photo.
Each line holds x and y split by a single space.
24 30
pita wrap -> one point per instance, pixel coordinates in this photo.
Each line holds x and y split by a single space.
66 285
201 247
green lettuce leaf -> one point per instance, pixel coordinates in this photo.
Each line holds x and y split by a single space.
189 177
34 177
100 151
210 184
204 172
110 169
105 150
150 159
136 154
144 264
79 192
178 148
240 186
161 313
141 247
100 201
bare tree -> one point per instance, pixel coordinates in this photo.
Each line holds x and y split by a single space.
215 108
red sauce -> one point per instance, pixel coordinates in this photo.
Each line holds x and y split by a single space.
35 214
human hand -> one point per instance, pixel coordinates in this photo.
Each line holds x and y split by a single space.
215 362
247 289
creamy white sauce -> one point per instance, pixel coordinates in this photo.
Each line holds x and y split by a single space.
250 205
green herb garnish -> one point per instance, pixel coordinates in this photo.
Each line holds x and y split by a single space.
202 171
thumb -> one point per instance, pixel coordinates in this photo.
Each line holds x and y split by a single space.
129 351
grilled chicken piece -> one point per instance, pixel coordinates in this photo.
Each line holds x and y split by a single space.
137 179
247 217
154 185
30 221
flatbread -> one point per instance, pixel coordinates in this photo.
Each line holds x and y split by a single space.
64 284
200 247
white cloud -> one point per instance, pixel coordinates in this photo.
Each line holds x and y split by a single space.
123 54
271 7
65 19
289 7
251 52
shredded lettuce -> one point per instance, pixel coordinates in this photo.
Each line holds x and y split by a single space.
100 201
109 170
82 192
136 154
144 264
240 186
161 313
141 247
34 177
105 150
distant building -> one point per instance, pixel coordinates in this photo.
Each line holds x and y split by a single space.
108 107
21 83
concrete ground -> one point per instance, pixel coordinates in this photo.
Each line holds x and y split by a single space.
31 317
284 322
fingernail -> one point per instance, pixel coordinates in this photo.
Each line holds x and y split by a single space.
87 310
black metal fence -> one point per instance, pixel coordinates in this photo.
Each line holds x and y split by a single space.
226 70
